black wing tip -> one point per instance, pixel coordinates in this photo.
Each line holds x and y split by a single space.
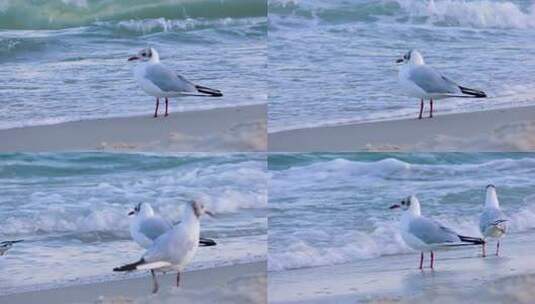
209 91
473 240
473 92
207 242
129 267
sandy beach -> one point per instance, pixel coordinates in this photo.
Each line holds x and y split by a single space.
493 130
245 283
459 275
217 130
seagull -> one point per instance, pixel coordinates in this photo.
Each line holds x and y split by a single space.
492 222
174 249
422 81
6 245
159 81
424 234
146 226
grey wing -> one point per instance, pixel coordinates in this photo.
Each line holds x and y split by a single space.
431 81
167 80
432 232
152 228
490 217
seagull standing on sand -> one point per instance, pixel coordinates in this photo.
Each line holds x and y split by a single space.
6 245
422 81
425 234
174 249
492 222
146 226
159 81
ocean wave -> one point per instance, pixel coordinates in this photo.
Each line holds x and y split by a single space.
304 249
54 14
149 26
475 14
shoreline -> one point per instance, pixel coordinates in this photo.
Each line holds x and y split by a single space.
240 283
397 279
504 129
241 128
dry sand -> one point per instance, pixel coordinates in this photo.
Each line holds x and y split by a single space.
218 130
244 283
510 129
460 276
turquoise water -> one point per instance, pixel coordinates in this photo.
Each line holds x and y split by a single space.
330 209
71 210
66 60
332 62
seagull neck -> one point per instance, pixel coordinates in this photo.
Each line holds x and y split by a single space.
492 199
414 208
190 217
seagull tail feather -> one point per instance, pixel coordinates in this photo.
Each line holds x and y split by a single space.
209 91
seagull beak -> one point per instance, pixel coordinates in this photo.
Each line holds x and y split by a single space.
210 213
394 206
133 58
400 60
131 213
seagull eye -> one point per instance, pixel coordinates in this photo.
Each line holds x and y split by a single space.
403 202
143 54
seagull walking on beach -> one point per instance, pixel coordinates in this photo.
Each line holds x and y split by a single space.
492 222
426 235
174 249
6 245
146 226
422 81
159 81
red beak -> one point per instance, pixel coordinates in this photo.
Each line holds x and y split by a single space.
394 206
133 58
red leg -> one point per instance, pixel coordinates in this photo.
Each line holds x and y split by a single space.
484 252
431 109
166 106
156 110
421 260
177 279
421 108
498 248
432 259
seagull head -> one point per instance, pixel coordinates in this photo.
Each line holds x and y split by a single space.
142 209
146 54
199 209
412 56
410 203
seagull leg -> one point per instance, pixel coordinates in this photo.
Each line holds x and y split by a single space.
421 260
166 106
432 259
156 110
154 282
498 248
431 109
421 108
484 253
178 279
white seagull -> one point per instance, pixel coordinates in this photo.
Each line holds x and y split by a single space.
422 81
159 81
146 226
6 245
424 234
174 249
492 222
